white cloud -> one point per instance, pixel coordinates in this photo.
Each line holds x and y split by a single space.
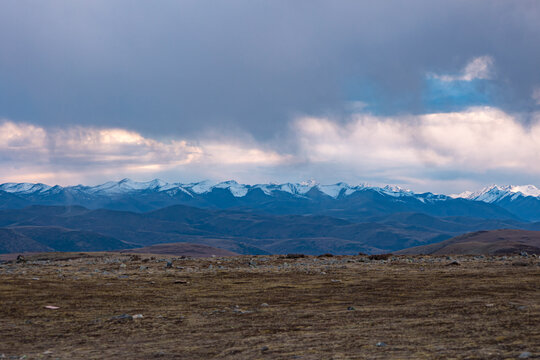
479 68
32 153
432 152
475 141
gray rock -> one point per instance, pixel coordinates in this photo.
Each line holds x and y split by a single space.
169 264
380 344
524 355
265 349
122 317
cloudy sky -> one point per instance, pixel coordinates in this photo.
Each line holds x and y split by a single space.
439 96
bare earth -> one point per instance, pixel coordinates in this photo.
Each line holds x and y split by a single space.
269 307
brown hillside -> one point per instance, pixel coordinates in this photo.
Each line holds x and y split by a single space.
495 242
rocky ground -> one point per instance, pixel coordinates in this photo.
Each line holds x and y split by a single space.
118 306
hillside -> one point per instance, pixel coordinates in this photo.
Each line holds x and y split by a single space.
494 242
242 232
54 238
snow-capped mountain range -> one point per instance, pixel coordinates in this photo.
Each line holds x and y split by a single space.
238 190
308 197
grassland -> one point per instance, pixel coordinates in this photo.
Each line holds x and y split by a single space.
269 307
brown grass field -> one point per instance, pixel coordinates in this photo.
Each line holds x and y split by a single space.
269 307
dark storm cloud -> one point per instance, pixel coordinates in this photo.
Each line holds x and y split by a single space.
173 68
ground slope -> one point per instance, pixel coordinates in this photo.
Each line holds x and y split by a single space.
504 241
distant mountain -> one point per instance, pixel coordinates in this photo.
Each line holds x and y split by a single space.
181 249
495 242
523 201
51 238
244 232
340 200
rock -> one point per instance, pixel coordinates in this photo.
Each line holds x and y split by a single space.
380 344
379 257
20 259
524 355
265 349
264 305
524 254
295 256
183 282
122 317
453 263
137 316
351 308
52 307
168 265
123 265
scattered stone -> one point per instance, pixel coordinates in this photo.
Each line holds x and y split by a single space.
35 278
351 308
122 317
240 311
264 305
335 280
169 264
454 263
123 265
524 254
181 282
142 267
20 259
520 263
524 355
325 255
490 305
265 349
295 256
379 257
52 307
380 344
135 258
137 316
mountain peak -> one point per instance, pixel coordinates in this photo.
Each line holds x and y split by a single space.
494 193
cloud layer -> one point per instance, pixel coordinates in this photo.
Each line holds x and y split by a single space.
184 67
439 151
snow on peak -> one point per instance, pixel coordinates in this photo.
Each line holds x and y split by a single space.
24 188
334 190
495 193
238 190
201 186
395 191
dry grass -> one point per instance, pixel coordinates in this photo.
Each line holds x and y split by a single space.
420 309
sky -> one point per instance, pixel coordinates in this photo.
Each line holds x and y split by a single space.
440 96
